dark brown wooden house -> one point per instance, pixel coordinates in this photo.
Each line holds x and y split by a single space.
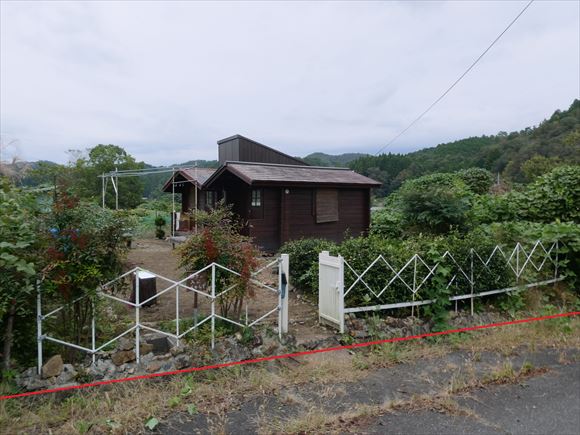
189 183
280 197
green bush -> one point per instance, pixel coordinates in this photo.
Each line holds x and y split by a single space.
567 234
303 256
486 209
361 252
436 203
71 248
159 224
19 264
387 223
553 196
477 180
219 241
438 179
160 221
84 247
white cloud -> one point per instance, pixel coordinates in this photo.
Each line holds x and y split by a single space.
167 80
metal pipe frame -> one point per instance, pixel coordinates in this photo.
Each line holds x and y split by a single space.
137 326
523 260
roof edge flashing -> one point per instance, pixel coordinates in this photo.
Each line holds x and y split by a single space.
235 162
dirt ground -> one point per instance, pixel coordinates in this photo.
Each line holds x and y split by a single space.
159 257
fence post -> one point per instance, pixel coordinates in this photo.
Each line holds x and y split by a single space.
471 279
137 319
213 305
517 263
39 327
177 314
93 338
341 293
556 263
414 283
283 289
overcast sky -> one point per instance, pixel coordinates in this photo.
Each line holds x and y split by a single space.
167 80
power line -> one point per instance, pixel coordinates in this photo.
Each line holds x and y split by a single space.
458 80
144 171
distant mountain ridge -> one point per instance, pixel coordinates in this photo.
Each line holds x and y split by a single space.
323 159
556 139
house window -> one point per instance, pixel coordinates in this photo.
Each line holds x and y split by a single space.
326 205
256 198
256 209
210 198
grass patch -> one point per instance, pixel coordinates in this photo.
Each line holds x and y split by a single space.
114 408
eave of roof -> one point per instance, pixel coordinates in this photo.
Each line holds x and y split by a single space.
230 166
184 172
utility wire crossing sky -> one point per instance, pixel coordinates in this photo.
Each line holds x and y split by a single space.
166 80
456 81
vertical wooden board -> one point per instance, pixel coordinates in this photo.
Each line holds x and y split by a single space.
266 231
327 209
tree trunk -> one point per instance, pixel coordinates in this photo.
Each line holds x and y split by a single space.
9 337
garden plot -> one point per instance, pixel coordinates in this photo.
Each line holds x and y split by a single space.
159 257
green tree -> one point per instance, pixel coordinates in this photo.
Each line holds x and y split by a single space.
44 173
18 262
84 248
102 159
557 137
539 165
437 203
478 180
554 196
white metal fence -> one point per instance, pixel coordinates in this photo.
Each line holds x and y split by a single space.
468 278
211 294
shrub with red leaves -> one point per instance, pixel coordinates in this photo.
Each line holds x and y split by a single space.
220 241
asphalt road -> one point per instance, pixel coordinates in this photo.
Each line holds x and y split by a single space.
546 402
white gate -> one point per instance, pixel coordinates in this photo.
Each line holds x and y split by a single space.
331 290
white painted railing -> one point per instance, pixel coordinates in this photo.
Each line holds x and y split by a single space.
281 264
416 275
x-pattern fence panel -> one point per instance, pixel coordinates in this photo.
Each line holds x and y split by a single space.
215 290
383 285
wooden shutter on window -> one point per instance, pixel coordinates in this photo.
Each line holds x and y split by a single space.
326 205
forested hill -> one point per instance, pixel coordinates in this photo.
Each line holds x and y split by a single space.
323 159
517 156
557 139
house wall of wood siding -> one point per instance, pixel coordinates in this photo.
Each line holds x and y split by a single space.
300 210
287 216
290 216
266 231
241 149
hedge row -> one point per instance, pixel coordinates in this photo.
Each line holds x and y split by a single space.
361 252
